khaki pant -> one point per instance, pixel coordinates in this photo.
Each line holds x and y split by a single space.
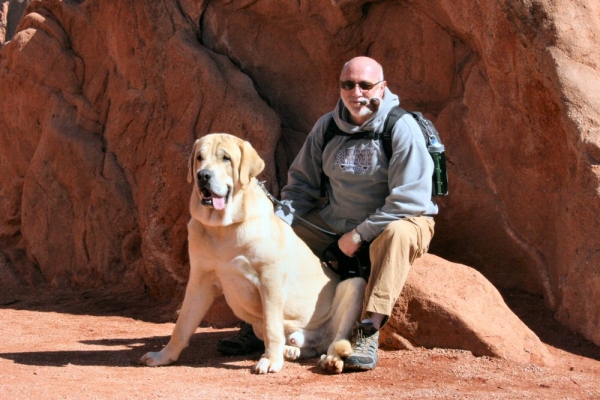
392 254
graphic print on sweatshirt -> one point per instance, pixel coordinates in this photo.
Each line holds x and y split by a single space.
357 160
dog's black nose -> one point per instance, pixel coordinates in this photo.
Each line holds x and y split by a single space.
204 175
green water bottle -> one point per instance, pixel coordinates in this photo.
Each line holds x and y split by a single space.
440 176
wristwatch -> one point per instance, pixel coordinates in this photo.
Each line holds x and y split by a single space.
356 239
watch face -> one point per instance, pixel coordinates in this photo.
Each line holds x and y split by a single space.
356 238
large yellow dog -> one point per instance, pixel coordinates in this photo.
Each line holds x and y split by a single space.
269 276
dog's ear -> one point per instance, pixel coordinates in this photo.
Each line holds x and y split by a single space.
190 177
251 164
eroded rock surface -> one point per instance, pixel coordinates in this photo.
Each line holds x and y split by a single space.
100 103
453 306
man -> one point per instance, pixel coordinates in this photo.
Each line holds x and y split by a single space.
386 203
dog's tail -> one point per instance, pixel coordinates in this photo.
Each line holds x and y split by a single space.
343 348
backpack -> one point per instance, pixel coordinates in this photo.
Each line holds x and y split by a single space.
432 139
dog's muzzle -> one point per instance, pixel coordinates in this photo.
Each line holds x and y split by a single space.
208 197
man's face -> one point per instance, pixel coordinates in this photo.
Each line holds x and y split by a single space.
355 80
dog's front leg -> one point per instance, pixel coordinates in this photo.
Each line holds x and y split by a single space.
273 298
199 295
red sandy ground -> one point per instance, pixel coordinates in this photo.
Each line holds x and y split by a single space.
87 344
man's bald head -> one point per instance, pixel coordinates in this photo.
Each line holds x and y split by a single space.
363 64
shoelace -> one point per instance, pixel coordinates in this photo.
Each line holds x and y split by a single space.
361 340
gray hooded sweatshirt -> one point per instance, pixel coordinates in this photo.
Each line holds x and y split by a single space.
366 191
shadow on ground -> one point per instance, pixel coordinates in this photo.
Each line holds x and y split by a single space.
531 310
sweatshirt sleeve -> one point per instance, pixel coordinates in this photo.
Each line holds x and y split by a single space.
303 188
409 180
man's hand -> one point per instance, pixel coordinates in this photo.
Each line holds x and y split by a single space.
346 245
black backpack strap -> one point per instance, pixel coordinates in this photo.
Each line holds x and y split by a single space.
331 131
393 116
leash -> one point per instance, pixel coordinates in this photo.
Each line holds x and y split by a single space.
279 203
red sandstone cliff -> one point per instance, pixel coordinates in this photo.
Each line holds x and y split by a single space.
100 102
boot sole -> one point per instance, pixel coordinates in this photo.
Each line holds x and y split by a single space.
359 367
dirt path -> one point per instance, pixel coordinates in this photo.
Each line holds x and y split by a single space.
86 345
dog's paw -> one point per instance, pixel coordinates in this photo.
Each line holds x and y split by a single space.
265 365
155 359
343 348
291 353
331 363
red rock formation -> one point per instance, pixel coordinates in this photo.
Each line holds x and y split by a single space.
100 102
96 134
453 306
10 13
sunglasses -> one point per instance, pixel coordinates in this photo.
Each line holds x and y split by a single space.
349 85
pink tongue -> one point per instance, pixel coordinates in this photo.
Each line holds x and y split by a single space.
218 202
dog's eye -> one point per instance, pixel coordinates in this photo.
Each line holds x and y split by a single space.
199 157
226 158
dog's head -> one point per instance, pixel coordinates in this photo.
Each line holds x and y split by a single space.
221 165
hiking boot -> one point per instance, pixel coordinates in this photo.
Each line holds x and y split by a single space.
365 342
245 342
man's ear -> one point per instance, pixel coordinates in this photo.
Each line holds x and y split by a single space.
250 164
190 177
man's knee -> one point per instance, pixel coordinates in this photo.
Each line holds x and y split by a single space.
410 232
398 232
